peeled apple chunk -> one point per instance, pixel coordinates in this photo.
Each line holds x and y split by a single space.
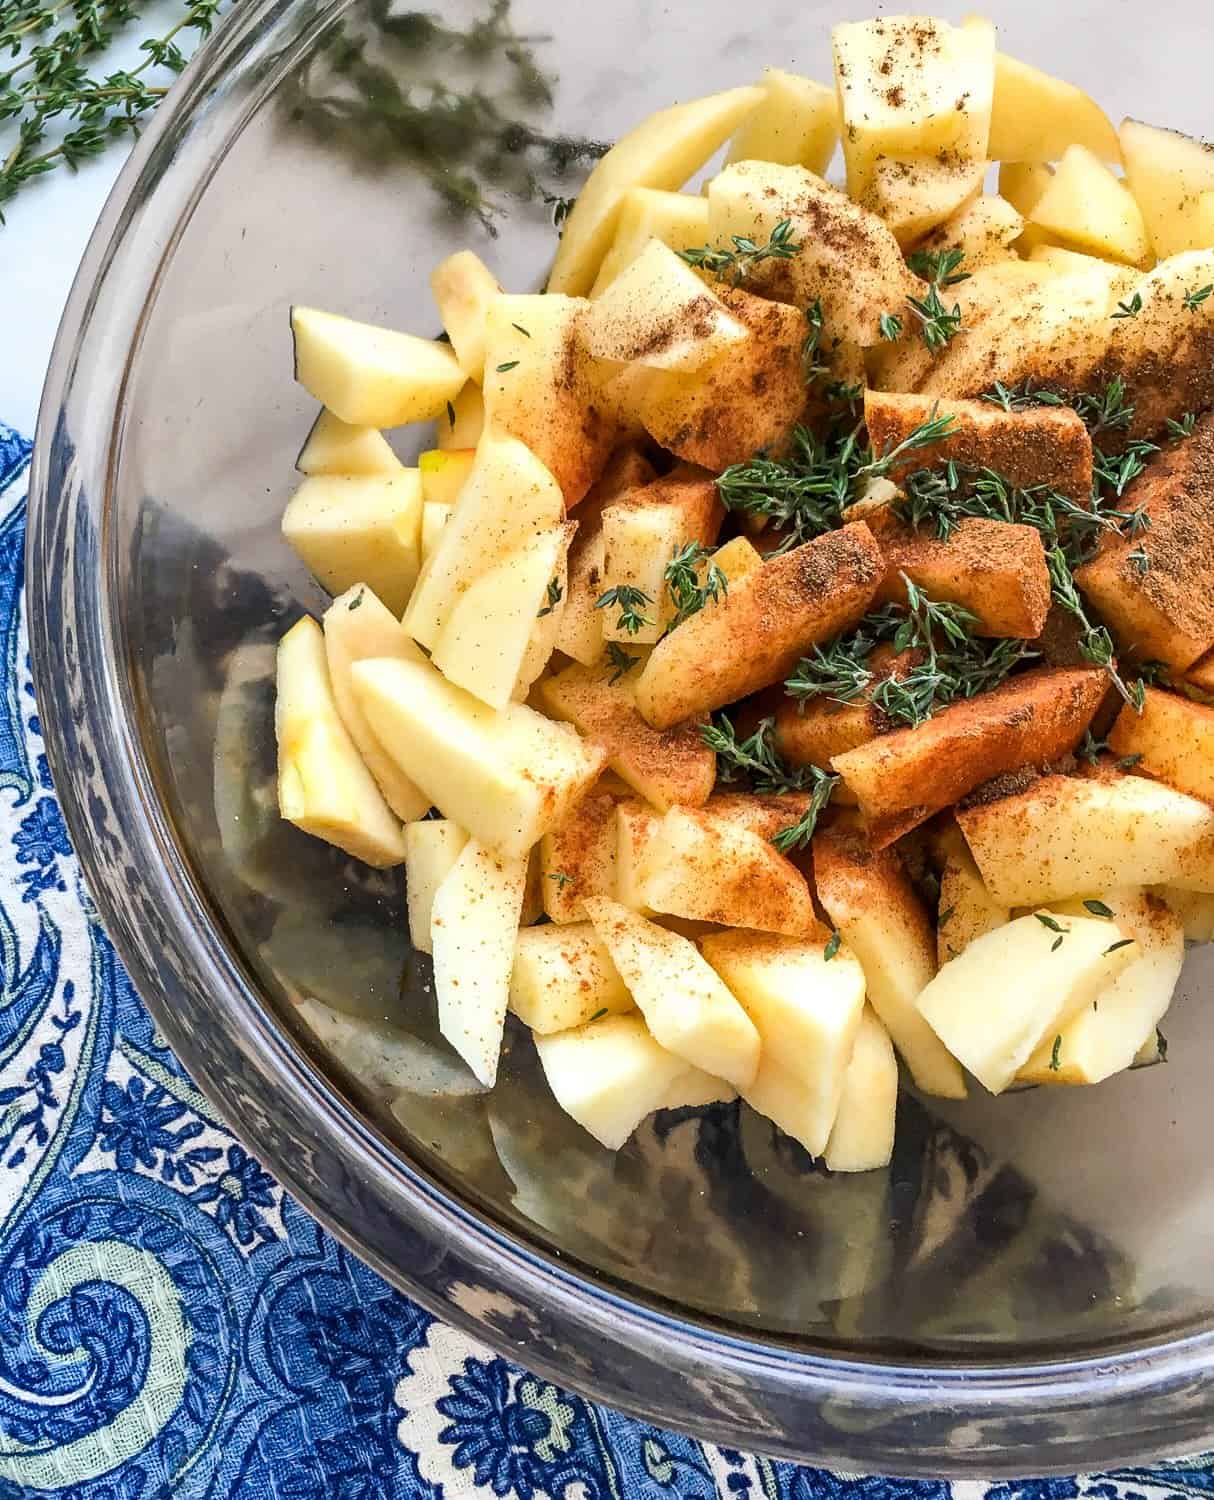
564 977
463 288
869 898
334 447
473 929
913 86
443 471
363 528
507 498
1089 209
797 122
485 637
431 849
679 220
358 626
323 786
1168 173
686 1006
1173 738
506 775
1107 1035
1065 837
806 1009
1036 117
995 1004
661 152
863 1135
369 376
610 1074
660 314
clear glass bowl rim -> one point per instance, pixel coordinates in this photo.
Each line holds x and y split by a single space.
937 1420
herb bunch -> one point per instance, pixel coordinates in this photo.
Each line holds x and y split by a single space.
46 83
806 492
373 90
950 663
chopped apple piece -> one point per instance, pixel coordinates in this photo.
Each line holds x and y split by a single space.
1036 117
359 529
667 767
541 387
431 849
1023 184
636 826
1065 837
736 558
679 220
578 859
863 1134
474 928
983 229
868 896
1168 172
463 288
461 425
434 518
1164 612
713 870
508 775
1085 206
659 313
609 1075
508 498
914 196
1195 909
967 909
1108 1034
661 152
746 400
846 258
913 86
757 632
686 1006
485 638
806 1010
642 532
994 569
1046 445
323 786
443 472
564 977
797 123
580 631
1033 719
1173 738
372 377
334 447
358 626
1031 986
767 813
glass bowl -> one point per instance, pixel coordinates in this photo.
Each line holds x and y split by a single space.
1028 1288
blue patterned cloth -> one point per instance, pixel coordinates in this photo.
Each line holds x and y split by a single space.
172 1324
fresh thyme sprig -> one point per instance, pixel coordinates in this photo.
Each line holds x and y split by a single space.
693 580
757 760
621 661
800 834
457 106
630 602
952 662
1179 430
49 80
938 325
807 492
739 263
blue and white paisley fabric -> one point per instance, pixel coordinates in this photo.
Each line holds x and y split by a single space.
172 1324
